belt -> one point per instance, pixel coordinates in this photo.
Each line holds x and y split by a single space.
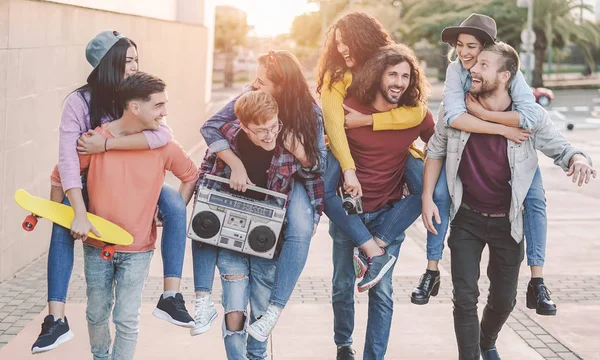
498 215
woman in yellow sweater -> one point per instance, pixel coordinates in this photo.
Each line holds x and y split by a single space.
351 41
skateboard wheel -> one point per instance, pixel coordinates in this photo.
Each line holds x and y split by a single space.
107 253
29 223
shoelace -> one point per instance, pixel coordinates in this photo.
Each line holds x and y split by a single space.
47 326
179 304
544 293
267 321
202 310
426 280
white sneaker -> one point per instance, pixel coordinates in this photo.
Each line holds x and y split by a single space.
204 315
262 327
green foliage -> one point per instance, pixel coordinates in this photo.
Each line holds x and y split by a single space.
306 29
231 28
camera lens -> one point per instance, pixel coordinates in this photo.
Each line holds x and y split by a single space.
348 205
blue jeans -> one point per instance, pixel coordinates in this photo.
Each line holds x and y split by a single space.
255 287
413 175
381 303
294 252
404 212
172 209
124 277
535 222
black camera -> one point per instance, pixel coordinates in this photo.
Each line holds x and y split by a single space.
351 205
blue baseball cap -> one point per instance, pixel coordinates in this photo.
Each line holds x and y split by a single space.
97 48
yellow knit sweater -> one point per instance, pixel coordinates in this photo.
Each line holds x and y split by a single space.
333 115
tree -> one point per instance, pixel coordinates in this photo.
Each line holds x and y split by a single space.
231 29
556 22
306 29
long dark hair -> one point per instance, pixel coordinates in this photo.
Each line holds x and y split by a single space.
363 34
367 83
103 81
296 104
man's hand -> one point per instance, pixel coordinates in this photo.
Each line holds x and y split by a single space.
314 230
429 211
81 226
90 143
517 135
356 119
474 107
581 169
351 184
239 178
157 220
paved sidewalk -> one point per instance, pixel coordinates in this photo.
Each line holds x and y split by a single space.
305 330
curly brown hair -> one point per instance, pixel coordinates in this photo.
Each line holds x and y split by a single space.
367 83
363 34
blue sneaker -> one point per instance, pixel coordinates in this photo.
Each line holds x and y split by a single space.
53 334
361 264
378 267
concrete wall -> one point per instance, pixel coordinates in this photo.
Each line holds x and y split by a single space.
42 59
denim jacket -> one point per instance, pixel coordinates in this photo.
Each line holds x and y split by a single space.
211 131
281 174
450 143
458 82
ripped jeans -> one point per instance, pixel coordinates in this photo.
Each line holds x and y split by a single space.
253 283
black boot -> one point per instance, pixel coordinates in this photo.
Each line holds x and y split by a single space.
345 353
429 285
538 298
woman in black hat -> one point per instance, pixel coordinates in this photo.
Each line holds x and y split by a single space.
467 41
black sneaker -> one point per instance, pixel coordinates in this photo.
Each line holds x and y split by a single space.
52 335
378 267
345 353
173 310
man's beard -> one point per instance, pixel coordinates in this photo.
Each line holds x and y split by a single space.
392 99
486 89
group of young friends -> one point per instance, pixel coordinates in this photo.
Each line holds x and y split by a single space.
479 174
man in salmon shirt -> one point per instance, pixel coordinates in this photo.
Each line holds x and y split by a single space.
123 187
390 79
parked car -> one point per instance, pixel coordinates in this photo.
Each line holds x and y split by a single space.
543 96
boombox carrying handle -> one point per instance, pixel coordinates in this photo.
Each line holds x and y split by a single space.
249 187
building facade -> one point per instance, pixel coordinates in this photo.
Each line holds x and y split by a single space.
42 59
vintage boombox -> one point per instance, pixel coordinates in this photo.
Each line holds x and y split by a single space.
236 222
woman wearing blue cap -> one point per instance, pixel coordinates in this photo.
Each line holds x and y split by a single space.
113 58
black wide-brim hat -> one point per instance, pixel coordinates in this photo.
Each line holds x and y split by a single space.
481 26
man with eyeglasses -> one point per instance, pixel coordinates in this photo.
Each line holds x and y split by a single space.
269 164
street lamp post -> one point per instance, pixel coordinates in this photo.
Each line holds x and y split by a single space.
528 38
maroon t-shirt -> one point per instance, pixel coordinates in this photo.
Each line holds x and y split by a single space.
380 157
485 173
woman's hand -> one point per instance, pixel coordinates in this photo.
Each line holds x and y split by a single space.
90 143
351 184
354 119
517 135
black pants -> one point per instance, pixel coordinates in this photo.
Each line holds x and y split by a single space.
469 234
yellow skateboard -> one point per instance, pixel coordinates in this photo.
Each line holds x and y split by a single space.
63 215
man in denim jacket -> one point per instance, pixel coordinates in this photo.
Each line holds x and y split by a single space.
488 179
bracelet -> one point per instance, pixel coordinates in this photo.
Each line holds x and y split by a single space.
105 141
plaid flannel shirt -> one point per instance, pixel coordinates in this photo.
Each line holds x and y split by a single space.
284 170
